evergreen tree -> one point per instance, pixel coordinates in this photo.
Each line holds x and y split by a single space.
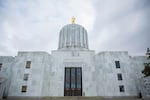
146 70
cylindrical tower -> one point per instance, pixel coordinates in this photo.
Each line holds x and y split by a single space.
73 36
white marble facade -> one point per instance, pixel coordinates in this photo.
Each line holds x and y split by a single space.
46 72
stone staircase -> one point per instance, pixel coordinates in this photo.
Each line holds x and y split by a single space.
72 98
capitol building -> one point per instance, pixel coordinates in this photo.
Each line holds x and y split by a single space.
71 70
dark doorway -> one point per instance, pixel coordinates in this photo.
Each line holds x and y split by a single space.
73 81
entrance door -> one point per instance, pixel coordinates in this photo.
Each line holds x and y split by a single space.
73 81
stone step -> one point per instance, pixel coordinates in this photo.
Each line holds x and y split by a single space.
72 98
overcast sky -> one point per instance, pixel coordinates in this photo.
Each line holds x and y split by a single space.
112 25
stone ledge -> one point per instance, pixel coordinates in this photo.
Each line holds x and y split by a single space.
73 98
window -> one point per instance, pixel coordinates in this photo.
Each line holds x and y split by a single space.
24 88
117 64
121 88
0 66
26 77
28 64
119 76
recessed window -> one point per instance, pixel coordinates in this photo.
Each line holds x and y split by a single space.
121 88
117 64
0 66
28 64
119 76
26 77
24 88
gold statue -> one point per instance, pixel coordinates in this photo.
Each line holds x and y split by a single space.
73 20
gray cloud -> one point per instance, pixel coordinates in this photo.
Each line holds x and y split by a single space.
34 25
122 25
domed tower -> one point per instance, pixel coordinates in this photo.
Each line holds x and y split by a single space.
73 37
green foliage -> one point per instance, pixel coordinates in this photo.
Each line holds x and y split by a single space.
146 71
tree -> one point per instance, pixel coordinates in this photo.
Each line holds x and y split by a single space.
146 70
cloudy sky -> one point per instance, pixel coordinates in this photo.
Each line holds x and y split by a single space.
112 25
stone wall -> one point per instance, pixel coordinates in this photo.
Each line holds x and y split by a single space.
39 61
5 74
74 58
106 72
145 87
